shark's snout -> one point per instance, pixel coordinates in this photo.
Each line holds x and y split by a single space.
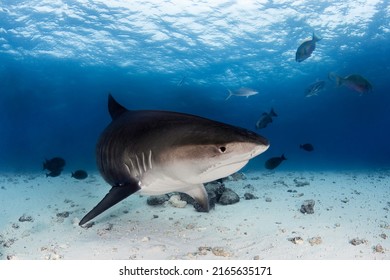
259 149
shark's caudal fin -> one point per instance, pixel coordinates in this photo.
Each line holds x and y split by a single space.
230 93
114 108
115 195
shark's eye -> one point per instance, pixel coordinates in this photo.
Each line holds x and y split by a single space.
222 149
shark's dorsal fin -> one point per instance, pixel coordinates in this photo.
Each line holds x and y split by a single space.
114 108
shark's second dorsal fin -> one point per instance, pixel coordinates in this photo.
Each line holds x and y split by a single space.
114 108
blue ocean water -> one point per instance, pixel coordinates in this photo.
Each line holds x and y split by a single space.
60 59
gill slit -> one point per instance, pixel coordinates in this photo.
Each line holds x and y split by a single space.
132 165
139 166
128 169
150 159
143 161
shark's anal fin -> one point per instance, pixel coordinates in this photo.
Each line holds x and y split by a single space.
198 192
115 195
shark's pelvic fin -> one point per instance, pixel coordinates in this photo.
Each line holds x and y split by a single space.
115 195
198 192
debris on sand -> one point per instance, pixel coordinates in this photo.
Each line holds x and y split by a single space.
26 218
358 241
308 207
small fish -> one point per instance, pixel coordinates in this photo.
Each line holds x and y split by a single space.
314 88
355 82
307 147
274 162
265 119
54 164
242 92
305 50
79 174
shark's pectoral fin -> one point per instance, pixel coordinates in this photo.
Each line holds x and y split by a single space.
115 195
198 192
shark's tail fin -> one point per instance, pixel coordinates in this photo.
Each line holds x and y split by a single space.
229 95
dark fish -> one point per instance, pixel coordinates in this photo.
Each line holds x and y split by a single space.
314 88
54 173
305 50
79 174
274 162
55 164
354 82
265 119
307 147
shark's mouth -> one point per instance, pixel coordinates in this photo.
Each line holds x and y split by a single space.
222 170
226 168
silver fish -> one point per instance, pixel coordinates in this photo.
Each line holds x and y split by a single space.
314 88
246 92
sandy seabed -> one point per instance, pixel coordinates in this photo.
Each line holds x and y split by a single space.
39 220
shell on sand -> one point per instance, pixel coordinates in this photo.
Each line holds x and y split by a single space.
175 201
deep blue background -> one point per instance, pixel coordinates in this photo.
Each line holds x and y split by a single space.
57 106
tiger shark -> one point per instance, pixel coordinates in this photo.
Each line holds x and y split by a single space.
157 152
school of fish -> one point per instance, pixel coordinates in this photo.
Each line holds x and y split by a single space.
354 82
